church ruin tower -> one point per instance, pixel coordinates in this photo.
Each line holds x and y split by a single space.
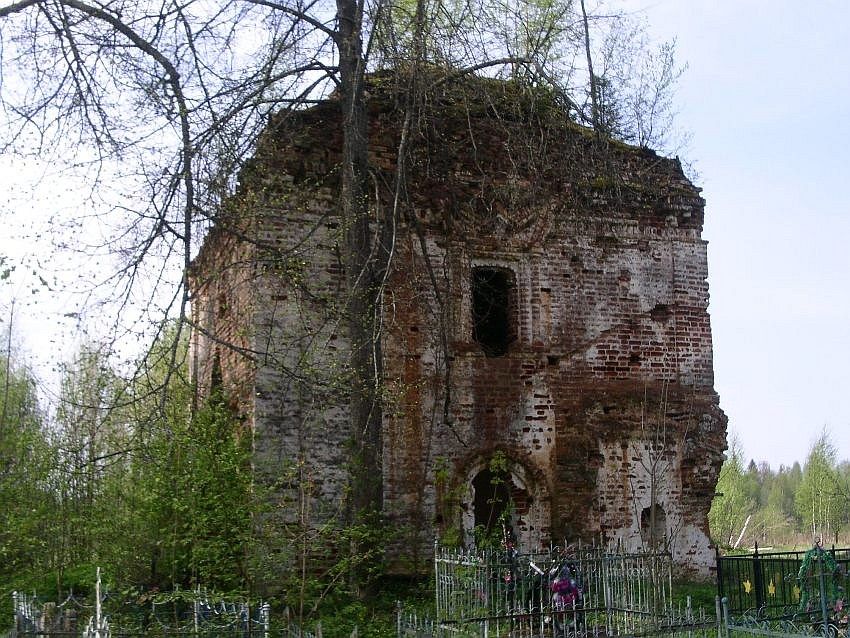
546 355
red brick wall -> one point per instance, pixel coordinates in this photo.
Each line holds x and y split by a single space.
613 339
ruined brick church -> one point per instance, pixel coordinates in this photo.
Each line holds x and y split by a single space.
546 353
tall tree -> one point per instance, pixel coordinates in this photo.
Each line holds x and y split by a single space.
733 506
819 499
26 462
93 438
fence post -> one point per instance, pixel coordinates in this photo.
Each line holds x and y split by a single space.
718 563
195 612
97 607
718 616
822 587
265 614
758 578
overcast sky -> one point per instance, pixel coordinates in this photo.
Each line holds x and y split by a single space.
766 98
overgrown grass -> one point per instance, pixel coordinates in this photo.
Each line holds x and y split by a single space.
374 616
702 594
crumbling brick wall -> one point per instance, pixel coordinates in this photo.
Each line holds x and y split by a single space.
599 391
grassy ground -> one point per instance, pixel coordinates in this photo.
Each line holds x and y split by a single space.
702 594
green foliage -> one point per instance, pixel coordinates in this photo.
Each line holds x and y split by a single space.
129 480
733 505
789 507
208 500
93 437
190 483
27 459
818 498
376 618
494 534
447 505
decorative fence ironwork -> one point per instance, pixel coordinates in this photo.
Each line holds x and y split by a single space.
793 626
786 585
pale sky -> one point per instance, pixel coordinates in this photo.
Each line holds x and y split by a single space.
767 99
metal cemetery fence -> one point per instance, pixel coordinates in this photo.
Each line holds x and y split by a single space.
785 593
560 592
190 614
784 585
683 625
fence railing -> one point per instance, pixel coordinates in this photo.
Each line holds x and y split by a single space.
683 623
186 613
562 591
782 585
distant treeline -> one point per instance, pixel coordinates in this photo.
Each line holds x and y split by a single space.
789 507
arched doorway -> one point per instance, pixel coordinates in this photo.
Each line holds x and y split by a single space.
492 503
501 499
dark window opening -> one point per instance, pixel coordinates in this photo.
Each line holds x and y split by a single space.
492 495
492 301
661 312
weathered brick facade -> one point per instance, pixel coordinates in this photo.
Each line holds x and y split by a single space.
546 304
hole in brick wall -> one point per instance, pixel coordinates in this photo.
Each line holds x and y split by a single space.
653 525
216 381
553 360
661 312
493 294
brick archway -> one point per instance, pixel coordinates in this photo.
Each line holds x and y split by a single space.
526 500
